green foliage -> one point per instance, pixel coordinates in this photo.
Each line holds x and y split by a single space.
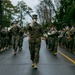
66 12
20 10
10 11
7 9
72 13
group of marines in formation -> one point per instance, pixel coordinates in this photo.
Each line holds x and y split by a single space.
64 38
12 37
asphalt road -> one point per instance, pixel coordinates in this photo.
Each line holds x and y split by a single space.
62 64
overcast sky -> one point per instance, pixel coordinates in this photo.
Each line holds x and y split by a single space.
30 3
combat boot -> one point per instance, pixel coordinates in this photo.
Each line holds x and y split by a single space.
35 66
32 64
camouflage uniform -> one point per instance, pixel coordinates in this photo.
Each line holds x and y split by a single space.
3 38
6 39
15 37
52 40
62 37
35 33
21 33
10 39
68 38
72 42
63 32
48 40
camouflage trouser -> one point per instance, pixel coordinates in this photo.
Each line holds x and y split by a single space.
34 50
20 42
63 41
60 41
7 41
10 41
67 44
54 45
71 43
15 40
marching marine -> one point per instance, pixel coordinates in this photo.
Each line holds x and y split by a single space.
3 38
53 40
35 33
15 37
21 36
67 36
72 39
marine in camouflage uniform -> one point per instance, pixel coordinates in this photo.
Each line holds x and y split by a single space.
53 40
62 37
35 33
72 40
6 39
10 39
47 38
21 36
3 38
67 36
15 37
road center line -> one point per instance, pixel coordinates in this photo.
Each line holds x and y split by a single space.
67 57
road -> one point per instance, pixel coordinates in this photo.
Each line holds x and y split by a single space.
62 64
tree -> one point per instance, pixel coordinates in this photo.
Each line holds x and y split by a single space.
65 11
46 11
71 14
21 11
8 10
0 12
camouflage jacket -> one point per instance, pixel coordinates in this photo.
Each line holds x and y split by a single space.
21 32
35 31
15 31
